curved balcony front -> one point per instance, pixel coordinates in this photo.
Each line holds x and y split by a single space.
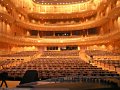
61 27
6 17
60 41
71 26
62 15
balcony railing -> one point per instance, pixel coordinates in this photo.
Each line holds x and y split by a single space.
37 41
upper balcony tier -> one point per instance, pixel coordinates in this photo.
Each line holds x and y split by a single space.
57 6
43 10
54 2
61 15
62 6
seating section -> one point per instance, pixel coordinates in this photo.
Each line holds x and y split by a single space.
61 53
58 67
111 65
107 60
51 66
110 62
101 53
21 54
10 61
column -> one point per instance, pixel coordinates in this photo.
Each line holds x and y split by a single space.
53 33
70 33
38 34
115 24
4 26
78 47
118 21
87 32
0 26
58 48
28 33
111 25
8 29
118 4
101 31
98 15
45 48
22 3
22 18
0 8
4 9
107 11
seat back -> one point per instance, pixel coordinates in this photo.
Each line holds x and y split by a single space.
30 76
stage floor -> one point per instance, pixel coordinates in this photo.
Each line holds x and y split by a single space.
43 85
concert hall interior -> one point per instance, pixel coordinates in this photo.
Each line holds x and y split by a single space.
60 44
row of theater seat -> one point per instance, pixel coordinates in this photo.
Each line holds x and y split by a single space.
20 54
111 65
61 53
110 62
101 53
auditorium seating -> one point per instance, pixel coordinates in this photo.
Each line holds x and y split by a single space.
60 66
105 59
111 65
110 62
61 53
101 53
20 54
56 64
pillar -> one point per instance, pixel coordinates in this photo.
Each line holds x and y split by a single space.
115 24
118 4
4 27
28 33
8 29
4 9
0 25
118 21
0 8
78 47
